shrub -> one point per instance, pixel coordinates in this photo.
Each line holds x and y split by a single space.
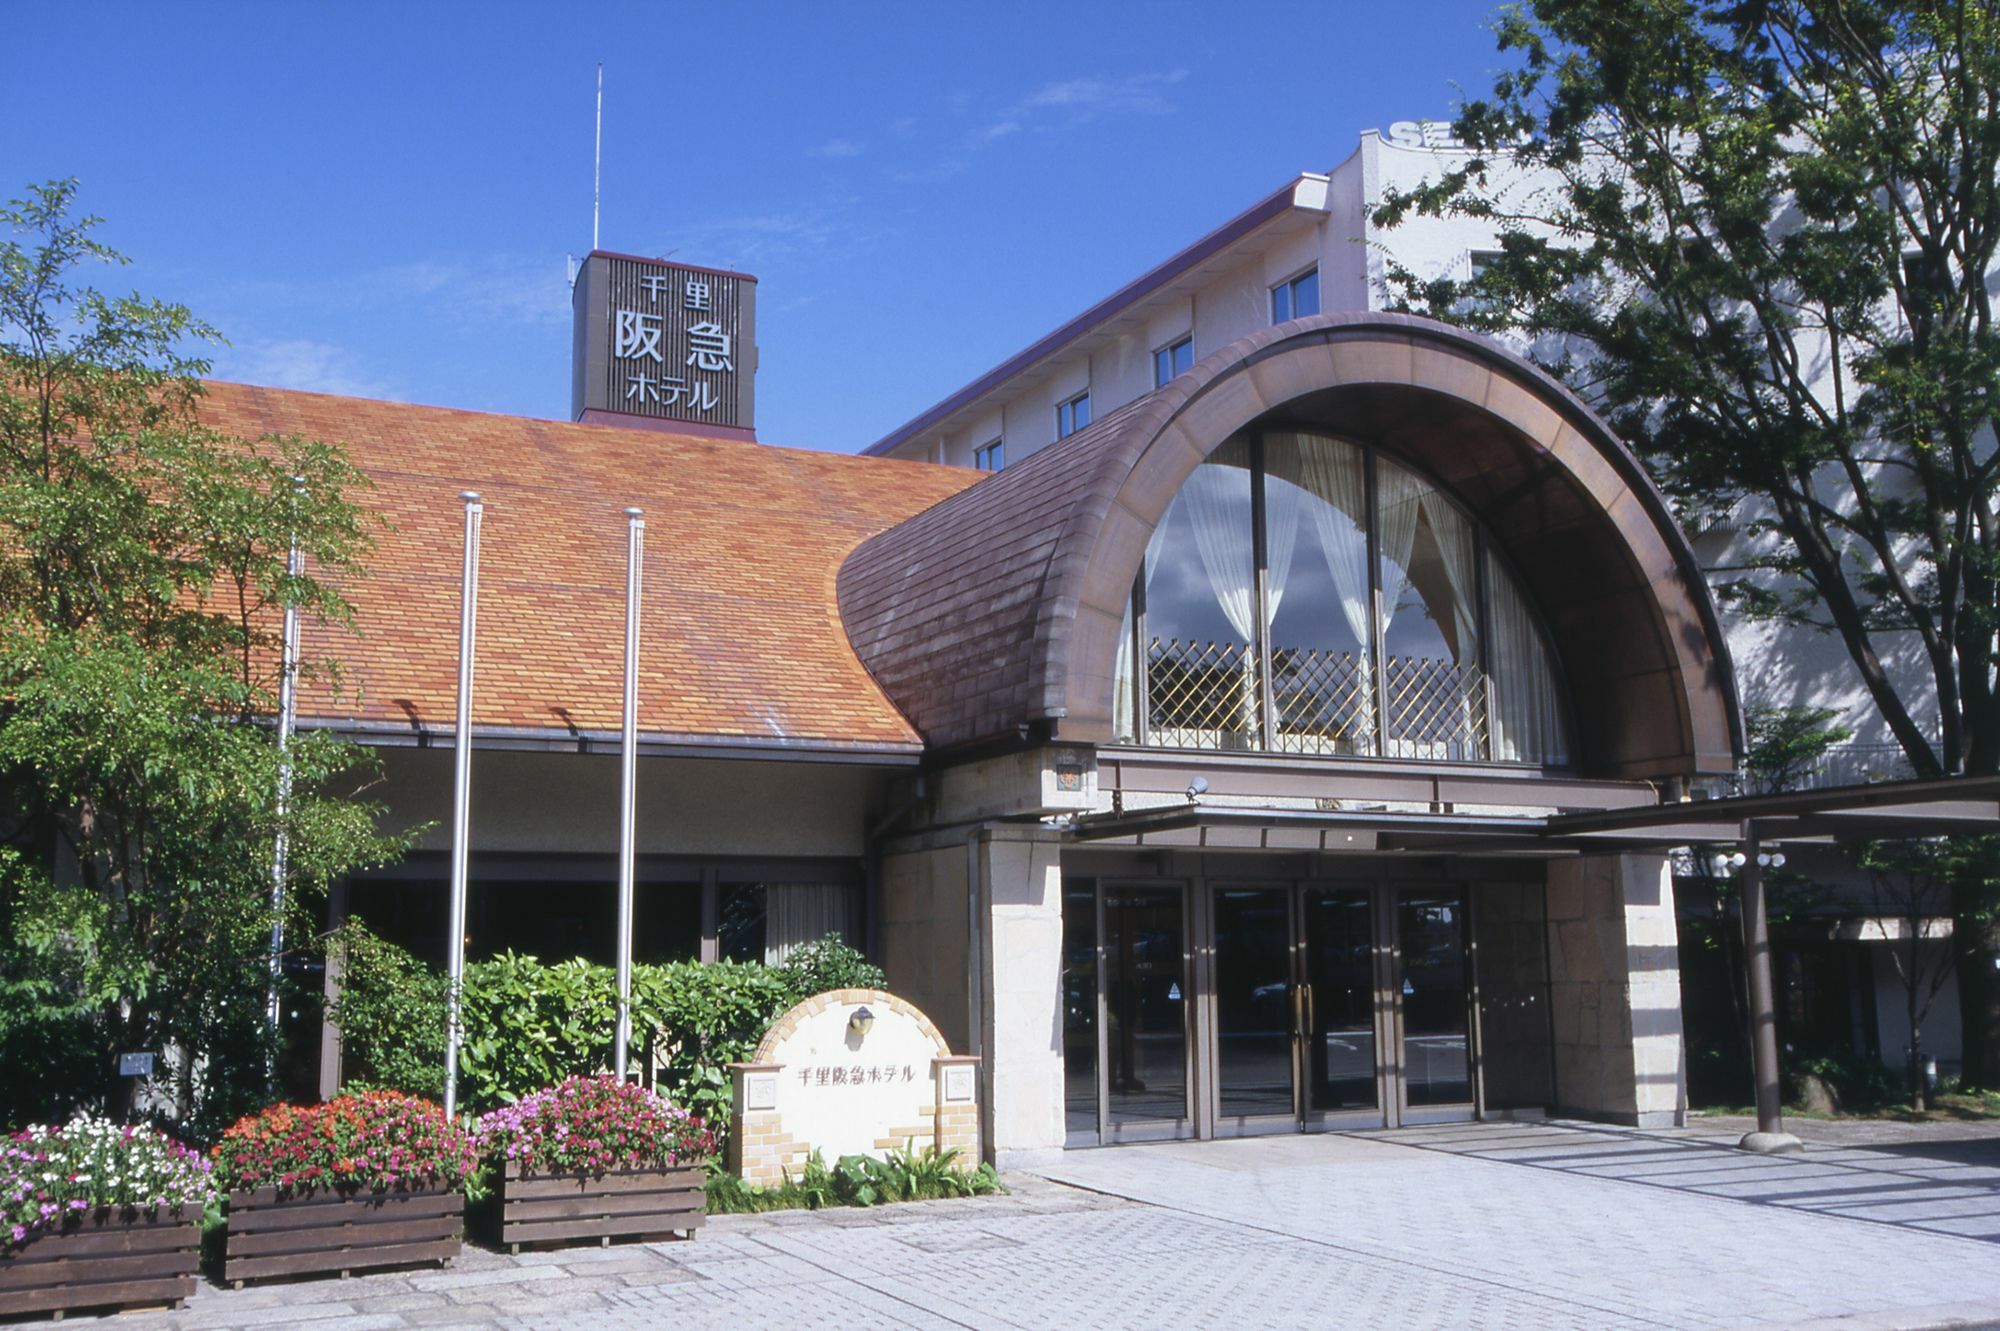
48 1175
828 963
589 1125
530 1025
374 1141
905 1175
390 1013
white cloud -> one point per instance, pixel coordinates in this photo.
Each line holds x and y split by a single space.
1053 106
1144 94
838 148
302 363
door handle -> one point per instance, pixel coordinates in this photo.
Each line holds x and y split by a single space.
1299 1010
1308 1030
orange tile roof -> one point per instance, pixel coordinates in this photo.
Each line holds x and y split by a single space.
741 638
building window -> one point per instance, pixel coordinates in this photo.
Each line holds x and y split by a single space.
1296 297
990 457
1173 360
1073 415
1370 617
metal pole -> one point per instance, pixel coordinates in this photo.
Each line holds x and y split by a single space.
629 777
1770 1136
288 666
461 799
597 159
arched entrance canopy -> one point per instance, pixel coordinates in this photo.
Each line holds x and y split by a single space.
1001 607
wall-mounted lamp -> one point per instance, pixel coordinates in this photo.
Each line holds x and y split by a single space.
862 1022
1196 789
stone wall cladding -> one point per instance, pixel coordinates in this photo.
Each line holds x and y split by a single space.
1614 989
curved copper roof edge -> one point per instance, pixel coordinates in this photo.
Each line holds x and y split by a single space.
961 611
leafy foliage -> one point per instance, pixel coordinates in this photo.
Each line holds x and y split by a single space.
143 576
390 1013
1761 240
49 1175
376 1142
904 1175
1786 744
531 1025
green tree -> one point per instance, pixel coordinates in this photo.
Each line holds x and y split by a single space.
143 575
1759 236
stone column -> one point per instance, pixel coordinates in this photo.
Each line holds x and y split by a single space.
1019 885
1615 990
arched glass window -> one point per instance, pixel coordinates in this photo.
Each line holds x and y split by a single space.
1306 595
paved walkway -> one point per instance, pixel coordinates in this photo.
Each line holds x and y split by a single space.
1543 1226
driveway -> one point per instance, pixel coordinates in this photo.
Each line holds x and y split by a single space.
1469 1226
1563 1225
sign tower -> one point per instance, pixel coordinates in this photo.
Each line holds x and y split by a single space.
664 345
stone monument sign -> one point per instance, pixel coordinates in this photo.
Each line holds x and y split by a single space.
850 1072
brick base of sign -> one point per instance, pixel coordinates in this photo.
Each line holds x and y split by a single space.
339 1233
104 1262
633 1205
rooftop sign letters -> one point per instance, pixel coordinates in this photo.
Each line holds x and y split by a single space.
664 342
1423 134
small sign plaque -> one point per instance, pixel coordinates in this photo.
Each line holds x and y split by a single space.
135 1065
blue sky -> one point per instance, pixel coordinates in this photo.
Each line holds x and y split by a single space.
378 198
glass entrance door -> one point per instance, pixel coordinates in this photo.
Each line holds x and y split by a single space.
1341 1008
1145 1014
1258 1007
1434 1009
1297 1005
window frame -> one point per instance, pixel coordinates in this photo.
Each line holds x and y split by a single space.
1289 287
1484 548
1166 351
995 451
1066 412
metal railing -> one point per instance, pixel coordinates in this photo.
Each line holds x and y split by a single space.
1201 695
1208 695
1436 708
1322 701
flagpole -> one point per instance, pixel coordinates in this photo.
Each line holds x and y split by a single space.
461 799
629 777
288 667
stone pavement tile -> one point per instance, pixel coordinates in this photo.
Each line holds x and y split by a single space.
509 1274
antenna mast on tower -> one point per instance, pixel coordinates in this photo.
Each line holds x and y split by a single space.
597 163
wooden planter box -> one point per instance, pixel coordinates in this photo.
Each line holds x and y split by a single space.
631 1204
327 1233
110 1259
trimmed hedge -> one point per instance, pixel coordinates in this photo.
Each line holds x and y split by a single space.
530 1024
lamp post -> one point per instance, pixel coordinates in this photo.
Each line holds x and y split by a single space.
461 798
1770 1138
635 542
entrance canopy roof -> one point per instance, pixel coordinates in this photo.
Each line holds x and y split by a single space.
1842 813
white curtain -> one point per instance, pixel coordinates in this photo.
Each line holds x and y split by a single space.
1332 472
796 913
1335 475
1459 555
1124 716
1218 502
1527 722
1397 495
